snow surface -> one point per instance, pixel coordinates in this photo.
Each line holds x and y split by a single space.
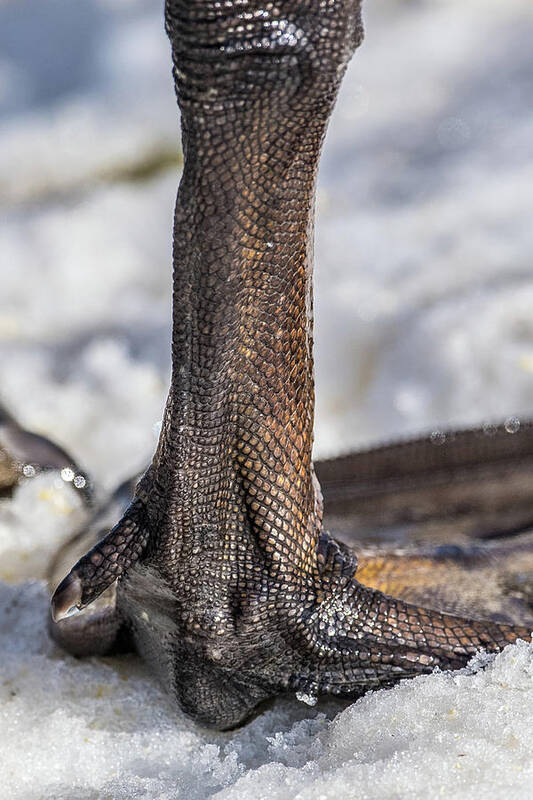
424 290
102 729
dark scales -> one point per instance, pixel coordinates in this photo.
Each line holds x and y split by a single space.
221 571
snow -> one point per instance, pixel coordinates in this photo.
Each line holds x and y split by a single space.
101 728
424 291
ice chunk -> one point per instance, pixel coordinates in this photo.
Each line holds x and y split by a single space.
308 699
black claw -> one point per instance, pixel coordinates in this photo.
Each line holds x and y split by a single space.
66 599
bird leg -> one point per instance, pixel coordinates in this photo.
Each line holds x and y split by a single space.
224 575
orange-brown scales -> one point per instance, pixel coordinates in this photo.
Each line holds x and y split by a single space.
221 571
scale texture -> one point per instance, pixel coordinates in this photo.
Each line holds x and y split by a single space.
225 579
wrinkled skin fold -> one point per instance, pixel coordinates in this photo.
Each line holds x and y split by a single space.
220 571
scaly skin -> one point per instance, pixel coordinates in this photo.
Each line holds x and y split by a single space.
221 570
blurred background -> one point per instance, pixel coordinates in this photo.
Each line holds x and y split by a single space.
424 297
424 281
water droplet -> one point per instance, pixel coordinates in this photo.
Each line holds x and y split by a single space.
512 424
79 482
28 471
308 699
67 474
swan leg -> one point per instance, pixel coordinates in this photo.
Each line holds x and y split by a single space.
103 565
98 629
359 639
449 486
484 581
